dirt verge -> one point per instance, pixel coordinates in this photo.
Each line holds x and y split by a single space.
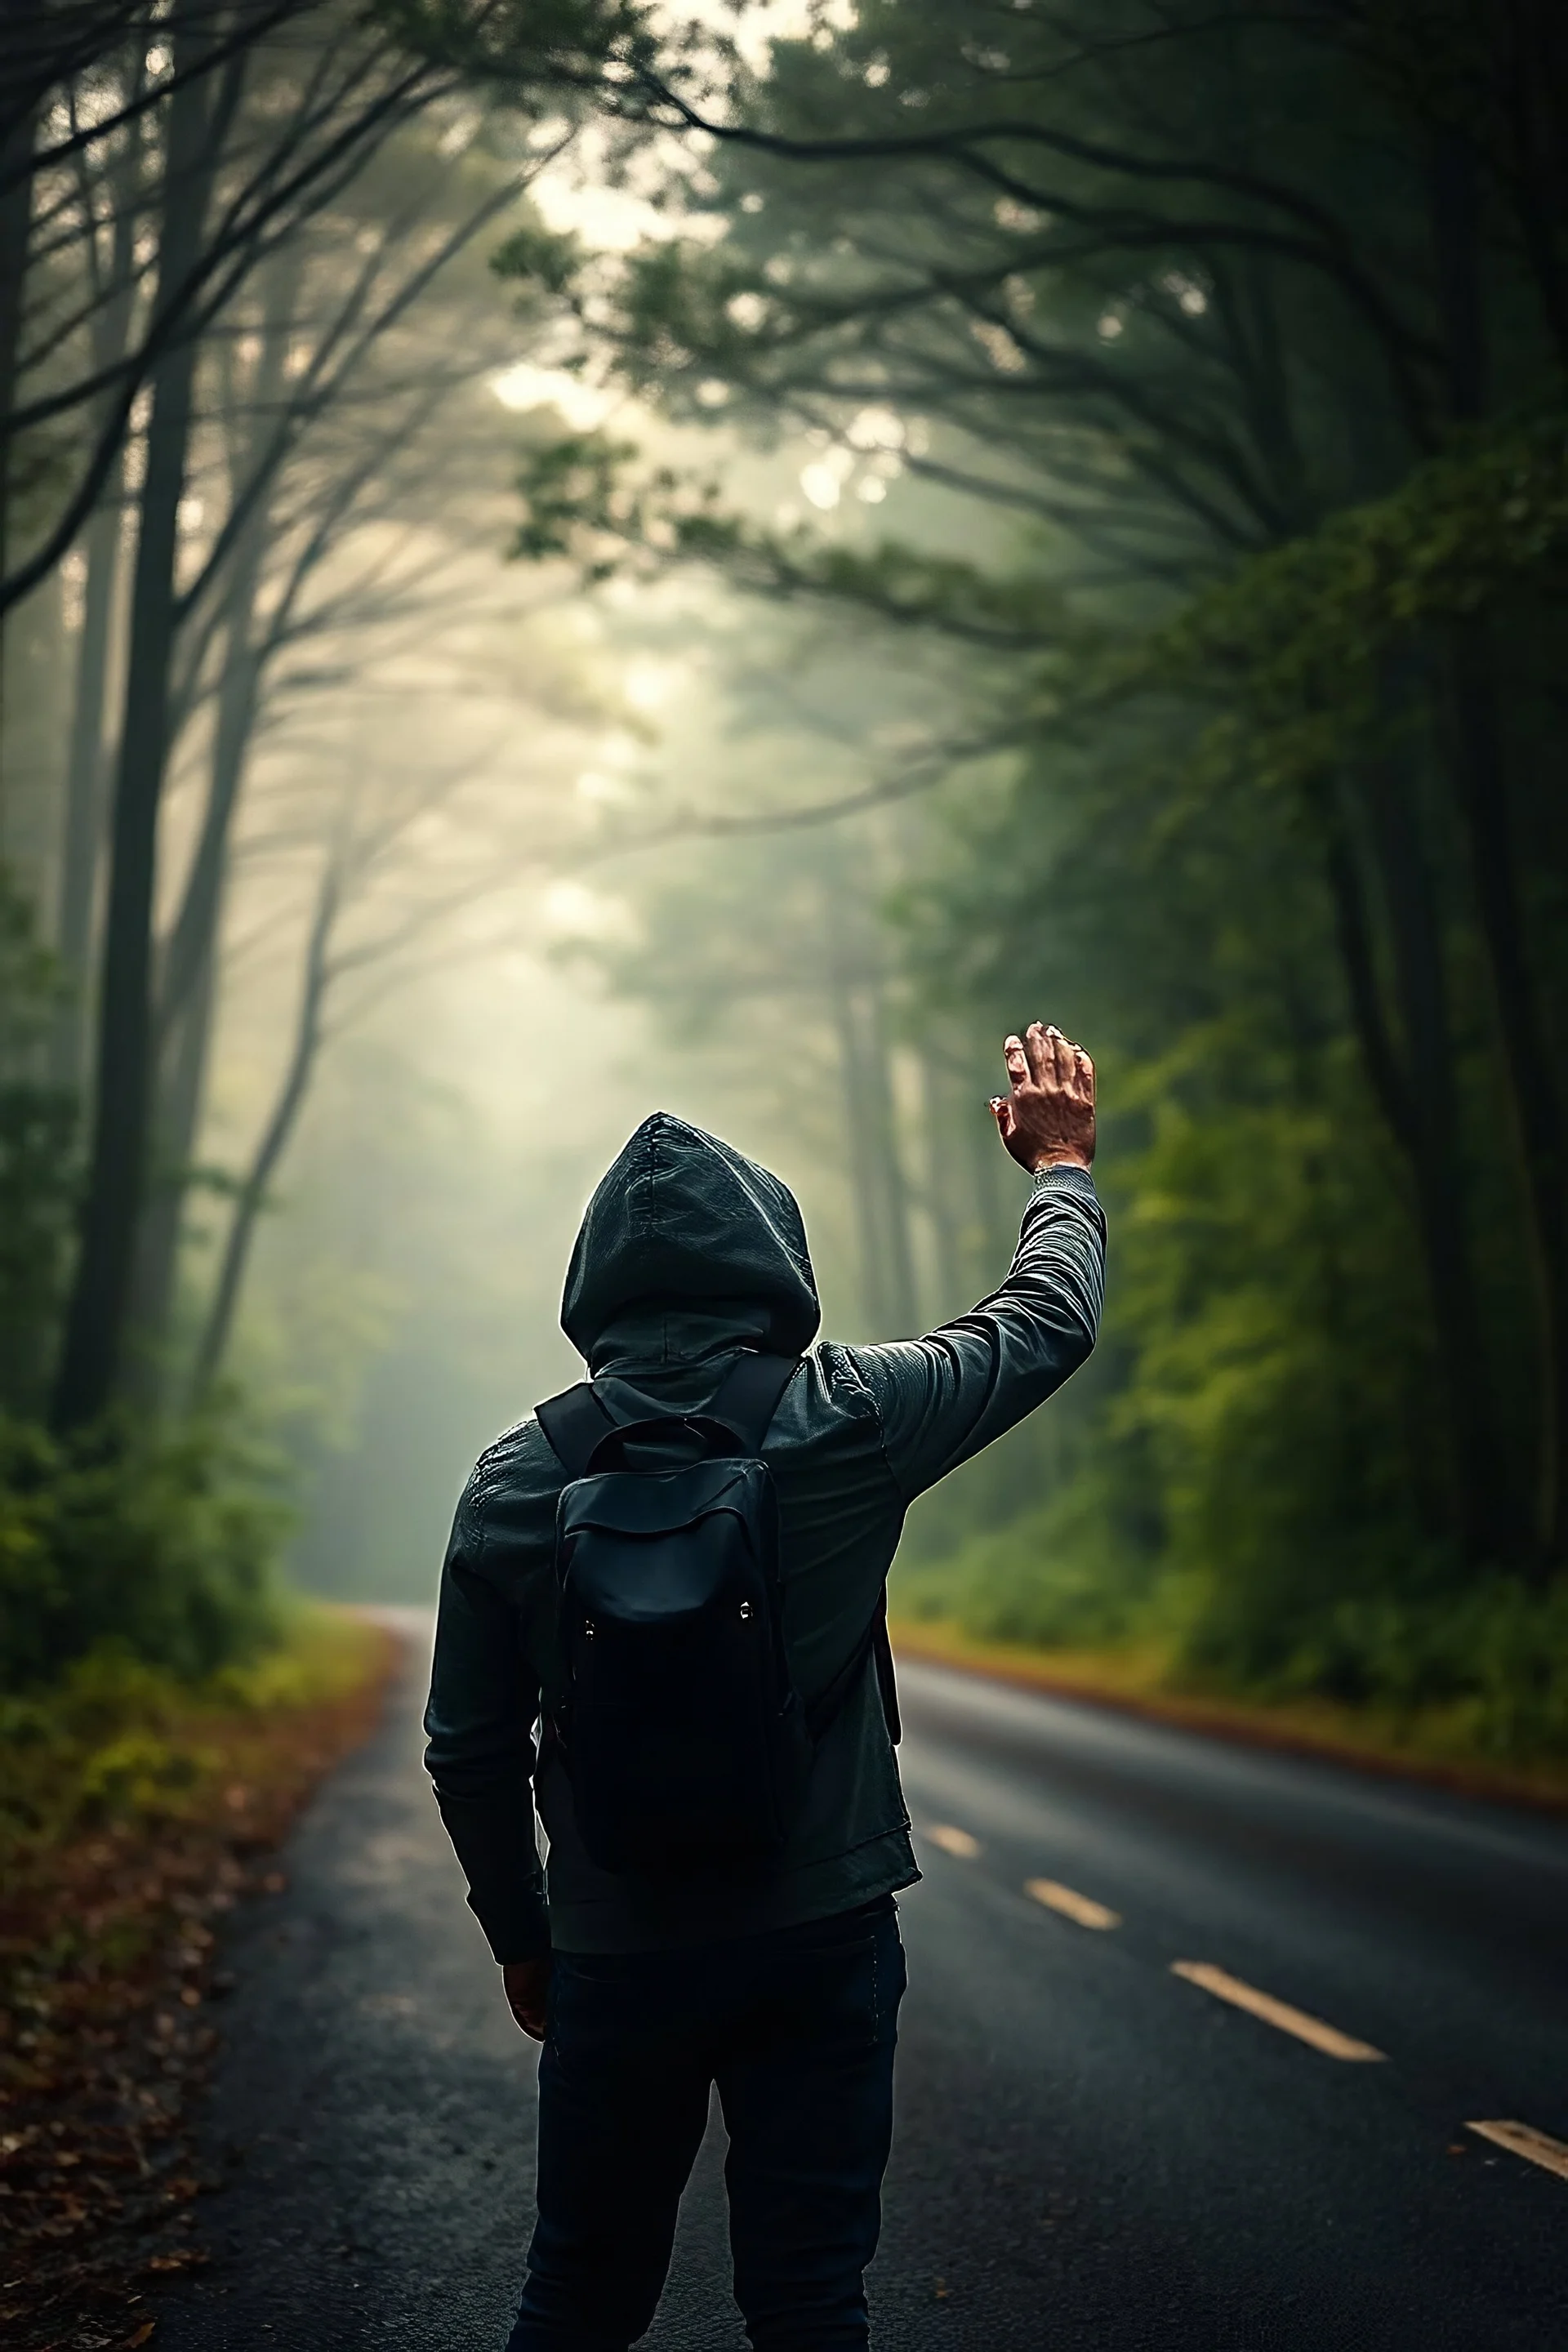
110 1971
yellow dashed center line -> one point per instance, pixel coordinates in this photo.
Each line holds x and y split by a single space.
1523 2139
1519 2139
1312 2030
1070 1904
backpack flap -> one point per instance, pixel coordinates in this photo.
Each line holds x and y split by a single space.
654 1546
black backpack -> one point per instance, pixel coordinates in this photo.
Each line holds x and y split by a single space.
685 1741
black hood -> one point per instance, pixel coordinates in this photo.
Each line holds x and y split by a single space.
687 1248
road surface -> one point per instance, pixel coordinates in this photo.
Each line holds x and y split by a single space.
1095 2152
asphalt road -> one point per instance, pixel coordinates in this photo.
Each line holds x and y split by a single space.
1094 2152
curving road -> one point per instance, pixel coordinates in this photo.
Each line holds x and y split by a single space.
1270 2151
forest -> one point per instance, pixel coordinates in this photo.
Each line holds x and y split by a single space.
557 555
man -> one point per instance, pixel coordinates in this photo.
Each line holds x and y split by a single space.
780 1983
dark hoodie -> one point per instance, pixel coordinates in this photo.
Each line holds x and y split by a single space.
689 1253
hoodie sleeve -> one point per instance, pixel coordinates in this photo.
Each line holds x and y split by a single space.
484 1701
943 1397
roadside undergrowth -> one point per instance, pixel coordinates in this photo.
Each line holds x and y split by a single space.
135 1812
1440 1741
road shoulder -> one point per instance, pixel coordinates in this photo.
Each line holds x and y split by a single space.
1128 1682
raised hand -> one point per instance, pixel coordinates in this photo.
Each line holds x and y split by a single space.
1048 1118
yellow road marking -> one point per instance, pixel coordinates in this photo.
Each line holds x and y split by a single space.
1326 2038
1523 2139
951 1841
1070 1904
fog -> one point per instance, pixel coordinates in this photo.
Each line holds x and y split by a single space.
678 559
566 558
530 991
406 1289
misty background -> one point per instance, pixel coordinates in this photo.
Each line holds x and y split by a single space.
563 560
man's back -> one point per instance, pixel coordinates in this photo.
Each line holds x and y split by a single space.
857 1434
778 1981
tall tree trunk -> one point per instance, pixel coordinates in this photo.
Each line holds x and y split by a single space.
1479 767
1385 1075
83 833
1492 1525
994 1213
900 1289
186 1002
96 1320
16 234
1454 209
194 931
1532 1084
863 1185
1532 146
274 1140
938 1115
876 1169
188 980
193 935
182 1090
1411 1080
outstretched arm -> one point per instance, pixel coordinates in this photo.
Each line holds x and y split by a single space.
942 1398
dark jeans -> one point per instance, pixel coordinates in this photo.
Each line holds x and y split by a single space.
797 2030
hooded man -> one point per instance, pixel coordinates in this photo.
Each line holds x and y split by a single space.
779 1983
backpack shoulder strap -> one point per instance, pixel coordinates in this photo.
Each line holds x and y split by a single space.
578 1421
748 1396
575 1423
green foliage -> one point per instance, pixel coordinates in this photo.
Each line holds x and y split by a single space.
1480 1672
1186 299
1274 1327
570 485
539 256
526 47
158 1544
1259 1479
1257 1505
1256 1499
1071 1573
1294 647
1494 1659
1257 1468
593 499
117 1740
